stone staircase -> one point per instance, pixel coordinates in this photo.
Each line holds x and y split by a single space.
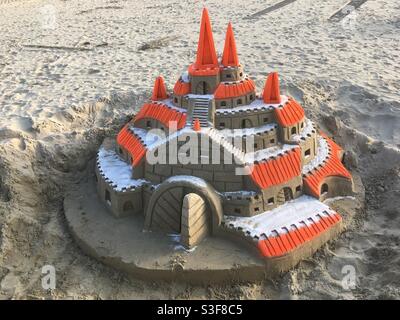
200 111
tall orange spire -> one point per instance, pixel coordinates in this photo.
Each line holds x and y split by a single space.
271 92
159 91
206 54
230 57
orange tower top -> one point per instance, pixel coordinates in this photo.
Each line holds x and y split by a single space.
206 54
230 57
159 91
196 125
271 92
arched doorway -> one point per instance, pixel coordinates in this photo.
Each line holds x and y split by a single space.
189 207
246 123
324 189
202 88
285 194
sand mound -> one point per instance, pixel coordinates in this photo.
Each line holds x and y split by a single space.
33 231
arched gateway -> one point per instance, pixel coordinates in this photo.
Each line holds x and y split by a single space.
185 205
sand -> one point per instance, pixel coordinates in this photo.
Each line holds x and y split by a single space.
72 72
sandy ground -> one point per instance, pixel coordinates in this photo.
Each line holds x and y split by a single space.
71 73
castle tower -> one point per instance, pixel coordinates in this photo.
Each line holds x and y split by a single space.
159 90
280 150
271 93
204 72
232 70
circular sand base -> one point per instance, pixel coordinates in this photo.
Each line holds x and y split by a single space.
122 244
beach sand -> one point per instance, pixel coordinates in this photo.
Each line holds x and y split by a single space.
73 72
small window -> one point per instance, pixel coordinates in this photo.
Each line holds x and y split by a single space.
229 76
272 141
239 101
222 125
324 188
251 97
265 120
307 153
128 206
176 100
148 124
298 188
223 103
294 131
256 209
255 146
271 201
108 197
237 210
120 150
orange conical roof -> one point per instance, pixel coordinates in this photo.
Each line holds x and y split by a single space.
230 57
196 125
206 54
271 92
159 91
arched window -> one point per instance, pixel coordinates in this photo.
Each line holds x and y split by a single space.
127 206
108 197
324 188
223 103
239 101
246 123
294 131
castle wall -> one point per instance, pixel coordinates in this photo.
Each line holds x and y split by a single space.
247 204
243 119
334 187
309 147
232 73
261 141
243 204
120 203
286 133
149 123
235 101
180 101
211 83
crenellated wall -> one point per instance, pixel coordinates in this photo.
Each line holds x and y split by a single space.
243 118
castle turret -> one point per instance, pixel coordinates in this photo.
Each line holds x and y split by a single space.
205 71
230 57
159 90
271 92
231 69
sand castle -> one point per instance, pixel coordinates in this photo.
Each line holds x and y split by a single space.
213 158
